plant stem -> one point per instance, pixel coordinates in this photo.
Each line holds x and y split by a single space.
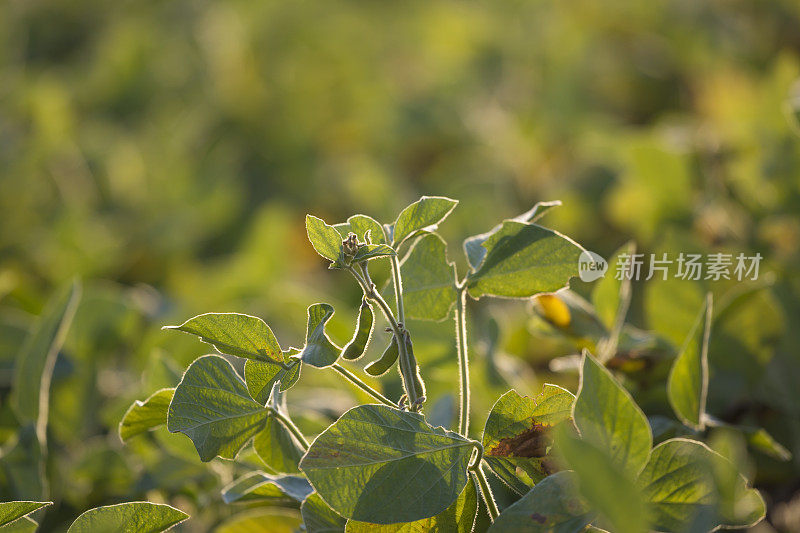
463 360
287 422
399 333
355 380
398 290
486 492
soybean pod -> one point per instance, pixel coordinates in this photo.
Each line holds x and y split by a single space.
379 367
356 347
416 378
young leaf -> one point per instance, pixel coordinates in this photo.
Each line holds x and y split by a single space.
142 416
458 518
679 483
319 518
552 506
687 386
235 334
428 280
260 376
516 438
212 407
523 260
37 357
472 245
278 448
324 238
382 465
606 489
319 351
259 486
10 511
424 215
142 517
608 417
360 225
371 251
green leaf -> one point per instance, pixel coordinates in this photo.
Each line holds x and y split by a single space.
424 215
382 465
35 361
372 251
517 439
458 518
523 260
360 225
687 386
552 506
258 521
682 483
759 439
10 511
260 486
324 238
473 248
606 489
132 517
212 407
606 293
22 525
671 307
608 417
319 518
278 448
428 280
260 376
23 465
141 417
319 351
235 334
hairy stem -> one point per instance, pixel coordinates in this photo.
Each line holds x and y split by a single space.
486 492
463 360
288 424
355 380
398 290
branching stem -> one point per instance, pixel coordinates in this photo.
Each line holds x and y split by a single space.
355 380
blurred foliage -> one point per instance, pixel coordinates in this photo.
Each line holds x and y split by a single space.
166 153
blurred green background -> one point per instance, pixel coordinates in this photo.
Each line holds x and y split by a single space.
167 152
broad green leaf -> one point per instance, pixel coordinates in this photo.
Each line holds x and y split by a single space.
458 518
671 307
278 448
608 417
606 489
212 407
22 525
473 248
142 416
372 251
235 334
360 225
523 260
324 238
258 521
428 280
687 386
259 486
319 518
260 376
517 436
319 351
10 511
35 361
759 439
382 465
682 483
423 215
132 517
606 293
552 506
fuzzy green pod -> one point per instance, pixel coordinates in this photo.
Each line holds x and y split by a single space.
419 385
356 347
379 367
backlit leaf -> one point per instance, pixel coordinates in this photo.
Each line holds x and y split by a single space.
319 351
260 376
324 238
142 416
372 251
235 334
423 215
360 225
212 407
382 465
319 518
262 521
523 260
428 280
132 517
260 486
278 448
608 417
687 386
10 511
